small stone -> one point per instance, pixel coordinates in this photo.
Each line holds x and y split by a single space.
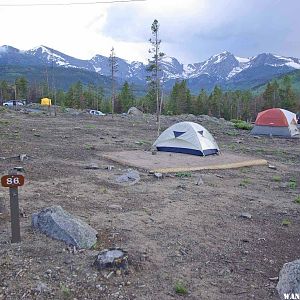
113 258
274 278
200 181
92 167
19 169
115 206
118 272
22 157
41 288
158 175
131 177
246 215
272 167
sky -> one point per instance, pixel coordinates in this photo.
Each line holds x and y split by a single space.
190 30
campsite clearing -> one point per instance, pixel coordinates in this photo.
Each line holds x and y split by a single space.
179 235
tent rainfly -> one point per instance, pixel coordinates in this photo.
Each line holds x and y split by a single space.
46 102
276 122
187 137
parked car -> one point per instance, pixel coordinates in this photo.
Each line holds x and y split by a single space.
13 103
96 112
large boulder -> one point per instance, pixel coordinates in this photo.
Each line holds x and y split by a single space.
134 111
61 225
289 280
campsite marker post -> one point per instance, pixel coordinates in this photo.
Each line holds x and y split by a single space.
13 181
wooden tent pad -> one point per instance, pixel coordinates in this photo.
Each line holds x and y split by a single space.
165 162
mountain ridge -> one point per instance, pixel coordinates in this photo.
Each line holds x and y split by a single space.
224 69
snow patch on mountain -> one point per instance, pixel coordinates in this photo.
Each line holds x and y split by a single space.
242 59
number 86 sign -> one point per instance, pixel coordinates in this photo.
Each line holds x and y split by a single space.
12 180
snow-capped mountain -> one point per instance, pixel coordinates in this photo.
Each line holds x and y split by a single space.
224 69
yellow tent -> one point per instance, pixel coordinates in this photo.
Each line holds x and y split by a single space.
46 101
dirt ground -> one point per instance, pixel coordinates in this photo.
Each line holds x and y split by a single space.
174 230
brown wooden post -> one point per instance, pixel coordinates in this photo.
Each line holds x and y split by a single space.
13 181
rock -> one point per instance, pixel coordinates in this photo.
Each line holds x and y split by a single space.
272 167
246 215
41 288
199 181
158 175
115 206
61 225
289 279
134 111
131 176
112 258
92 167
19 169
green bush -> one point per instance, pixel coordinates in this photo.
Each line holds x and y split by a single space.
180 288
297 200
292 184
243 125
236 121
183 174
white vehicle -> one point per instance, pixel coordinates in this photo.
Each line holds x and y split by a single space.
13 103
96 113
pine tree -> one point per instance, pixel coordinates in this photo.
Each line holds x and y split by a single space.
4 91
21 84
113 68
200 105
214 102
268 96
148 102
287 95
154 66
126 97
180 100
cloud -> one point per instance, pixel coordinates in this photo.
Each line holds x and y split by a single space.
191 30
197 29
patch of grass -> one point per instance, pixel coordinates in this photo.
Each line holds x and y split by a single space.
90 126
89 147
232 133
232 146
104 190
4 122
141 142
276 178
292 184
183 174
297 200
245 182
286 222
243 125
236 121
180 288
65 291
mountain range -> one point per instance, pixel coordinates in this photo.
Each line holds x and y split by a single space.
223 69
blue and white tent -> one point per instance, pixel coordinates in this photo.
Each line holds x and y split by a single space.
187 137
